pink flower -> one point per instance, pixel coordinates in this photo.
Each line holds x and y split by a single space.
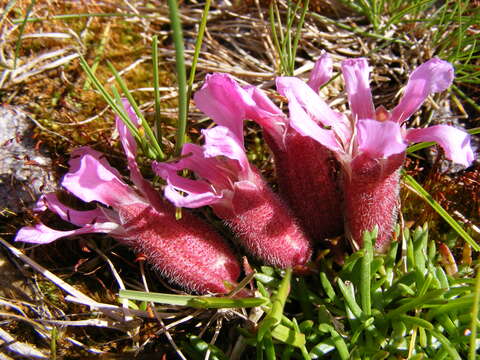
238 194
370 143
188 251
306 170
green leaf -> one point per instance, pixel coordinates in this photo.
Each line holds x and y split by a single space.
447 344
199 302
274 315
321 349
202 347
414 303
340 344
350 299
416 321
366 267
327 286
474 324
288 336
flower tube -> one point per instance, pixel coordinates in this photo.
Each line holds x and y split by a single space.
237 194
188 252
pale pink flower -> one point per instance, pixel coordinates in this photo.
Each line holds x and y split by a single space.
187 251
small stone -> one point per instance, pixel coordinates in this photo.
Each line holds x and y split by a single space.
24 171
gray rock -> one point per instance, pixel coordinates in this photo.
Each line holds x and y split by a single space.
24 172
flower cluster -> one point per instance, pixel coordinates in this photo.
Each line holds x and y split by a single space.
187 251
337 172
237 194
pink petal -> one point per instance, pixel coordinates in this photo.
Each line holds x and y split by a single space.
224 101
306 126
356 75
455 142
193 158
220 141
321 73
380 139
42 234
76 217
228 104
128 141
263 106
431 77
130 147
191 199
295 90
183 192
91 178
267 115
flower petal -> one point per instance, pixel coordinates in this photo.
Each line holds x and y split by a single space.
130 148
306 126
380 139
91 178
42 234
76 217
193 158
431 77
229 104
455 142
295 90
224 101
356 75
196 193
267 115
192 199
220 141
183 192
128 141
321 73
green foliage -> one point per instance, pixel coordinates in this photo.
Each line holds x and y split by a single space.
454 21
285 43
376 307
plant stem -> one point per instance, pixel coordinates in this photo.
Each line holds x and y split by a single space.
181 74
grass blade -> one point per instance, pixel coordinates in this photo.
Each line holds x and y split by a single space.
110 101
196 54
473 335
181 74
156 88
199 302
79 16
20 33
440 210
153 143
297 35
